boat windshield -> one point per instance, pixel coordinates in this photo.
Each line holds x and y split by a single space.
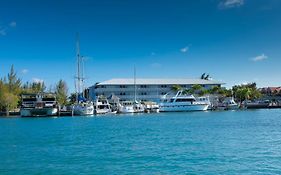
185 100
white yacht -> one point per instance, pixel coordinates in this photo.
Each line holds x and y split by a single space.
182 102
130 107
151 107
230 104
41 104
82 106
102 106
126 107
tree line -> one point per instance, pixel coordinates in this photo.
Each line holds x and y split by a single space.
239 92
12 87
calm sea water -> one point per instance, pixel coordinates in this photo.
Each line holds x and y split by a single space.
231 142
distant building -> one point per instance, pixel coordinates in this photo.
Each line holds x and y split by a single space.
146 89
271 90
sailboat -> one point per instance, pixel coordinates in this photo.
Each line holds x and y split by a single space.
129 106
82 106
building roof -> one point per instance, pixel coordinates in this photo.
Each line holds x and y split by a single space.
141 81
271 89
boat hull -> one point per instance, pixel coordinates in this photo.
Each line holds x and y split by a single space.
257 106
232 107
126 109
102 111
33 112
83 110
183 108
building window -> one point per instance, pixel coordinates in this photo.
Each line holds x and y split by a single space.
143 93
163 86
122 93
143 86
123 86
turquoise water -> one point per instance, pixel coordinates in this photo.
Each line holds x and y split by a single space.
231 142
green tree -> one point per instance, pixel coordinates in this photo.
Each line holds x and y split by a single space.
37 87
61 92
14 83
10 89
8 100
196 88
72 98
187 91
176 88
246 92
203 92
214 90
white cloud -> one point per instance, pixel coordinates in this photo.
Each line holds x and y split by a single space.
5 28
156 65
37 80
24 71
185 49
230 3
13 24
2 32
260 57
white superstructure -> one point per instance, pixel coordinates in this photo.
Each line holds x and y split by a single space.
130 107
41 104
102 106
230 104
182 102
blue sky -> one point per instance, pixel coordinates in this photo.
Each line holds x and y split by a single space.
235 41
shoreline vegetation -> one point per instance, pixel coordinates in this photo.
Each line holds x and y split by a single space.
12 87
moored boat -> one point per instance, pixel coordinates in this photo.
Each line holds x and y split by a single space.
228 104
150 107
102 106
82 106
130 107
41 104
182 103
257 104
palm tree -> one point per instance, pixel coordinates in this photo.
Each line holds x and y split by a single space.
196 87
203 92
215 89
187 91
176 88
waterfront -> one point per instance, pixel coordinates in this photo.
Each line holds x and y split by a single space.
226 142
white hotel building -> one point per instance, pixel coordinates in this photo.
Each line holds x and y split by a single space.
146 89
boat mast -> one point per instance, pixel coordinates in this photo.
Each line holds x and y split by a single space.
78 76
82 75
135 86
